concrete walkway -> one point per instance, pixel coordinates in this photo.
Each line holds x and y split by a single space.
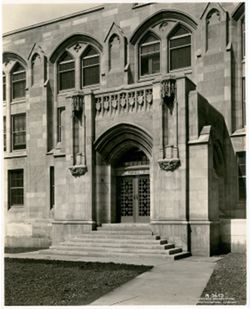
168 283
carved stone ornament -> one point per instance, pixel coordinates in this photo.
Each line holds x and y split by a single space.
169 164
168 92
78 170
77 103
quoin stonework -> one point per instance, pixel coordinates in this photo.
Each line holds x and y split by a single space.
131 115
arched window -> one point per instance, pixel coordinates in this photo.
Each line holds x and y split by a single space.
90 67
66 72
4 87
149 55
179 48
18 78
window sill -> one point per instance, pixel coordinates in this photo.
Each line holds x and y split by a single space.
18 101
16 208
15 154
92 87
148 77
239 132
62 93
187 70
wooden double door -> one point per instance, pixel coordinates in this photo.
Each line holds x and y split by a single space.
133 198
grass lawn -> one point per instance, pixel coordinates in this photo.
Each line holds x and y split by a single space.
39 282
227 285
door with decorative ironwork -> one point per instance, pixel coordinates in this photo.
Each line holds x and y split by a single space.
133 198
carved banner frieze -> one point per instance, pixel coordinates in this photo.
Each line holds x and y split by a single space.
124 101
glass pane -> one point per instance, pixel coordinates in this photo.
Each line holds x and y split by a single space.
18 68
91 75
67 80
180 58
150 48
4 87
180 31
66 66
150 38
66 57
17 196
186 40
242 188
18 76
155 63
90 61
144 65
18 89
90 52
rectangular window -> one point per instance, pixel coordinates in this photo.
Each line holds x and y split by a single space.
242 175
52 187
16 187
243 102
4 87
60 123
18 131
4 133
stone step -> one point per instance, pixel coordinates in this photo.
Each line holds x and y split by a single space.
117 245
107 254
78 241
117 249
125 226
124 232
95 235
181 255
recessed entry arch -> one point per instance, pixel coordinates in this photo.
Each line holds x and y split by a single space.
120 138
123 175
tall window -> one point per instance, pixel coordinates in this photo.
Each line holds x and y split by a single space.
90 67
180 49
60 123
18 78
16 187
19 131
243 37
52 187
242 175
4 133
4 87
149 55
66 72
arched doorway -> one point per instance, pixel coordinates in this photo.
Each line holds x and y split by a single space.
132 187
123 175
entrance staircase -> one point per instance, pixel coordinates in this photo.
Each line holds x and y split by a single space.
118 240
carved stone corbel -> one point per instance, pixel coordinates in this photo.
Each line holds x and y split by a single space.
78 170
77 104
169 164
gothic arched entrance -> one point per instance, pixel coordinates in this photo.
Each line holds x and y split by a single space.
123 175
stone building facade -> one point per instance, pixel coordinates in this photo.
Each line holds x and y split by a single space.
127 113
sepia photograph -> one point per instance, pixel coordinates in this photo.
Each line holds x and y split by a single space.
124 153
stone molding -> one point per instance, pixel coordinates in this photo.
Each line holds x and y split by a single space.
169 164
